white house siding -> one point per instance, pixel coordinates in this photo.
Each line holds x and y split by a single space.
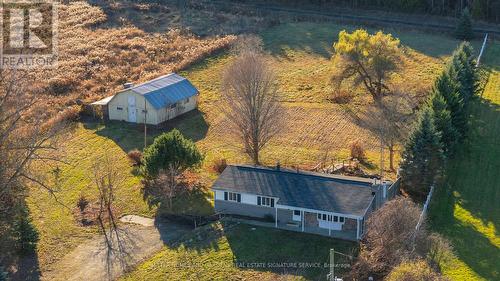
121 100
242 209
250 199
167 113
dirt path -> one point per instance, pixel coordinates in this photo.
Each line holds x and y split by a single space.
142 237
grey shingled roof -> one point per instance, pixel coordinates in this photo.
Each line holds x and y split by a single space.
165 90
339 194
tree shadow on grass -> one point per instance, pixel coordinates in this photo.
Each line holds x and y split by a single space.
130 136
28 269
472 184
282 251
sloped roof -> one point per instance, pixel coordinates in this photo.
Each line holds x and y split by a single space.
165 90
104 101
331 193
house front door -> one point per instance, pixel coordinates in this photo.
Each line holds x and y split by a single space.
132 112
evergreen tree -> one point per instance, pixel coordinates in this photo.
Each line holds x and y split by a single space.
170 150
443 123
25 233
465 68
463 30
449 90
422 157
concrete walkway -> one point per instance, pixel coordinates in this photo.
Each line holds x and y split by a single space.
140 239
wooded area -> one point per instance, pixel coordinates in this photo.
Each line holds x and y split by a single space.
480 9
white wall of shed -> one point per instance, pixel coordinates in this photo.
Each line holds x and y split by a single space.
165 114
121 100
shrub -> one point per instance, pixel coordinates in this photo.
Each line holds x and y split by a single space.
440 249
413 271
390 239
219 165
463 30
341 96
135 157
170 150
82 203
357 150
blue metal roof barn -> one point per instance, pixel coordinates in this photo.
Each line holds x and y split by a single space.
165 90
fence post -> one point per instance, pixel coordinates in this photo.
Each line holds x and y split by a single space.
482 49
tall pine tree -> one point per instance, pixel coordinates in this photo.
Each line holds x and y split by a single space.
463 30
465 69
449 90
422 157
443 123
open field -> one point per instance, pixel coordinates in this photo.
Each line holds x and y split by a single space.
300 54
466 208
242 252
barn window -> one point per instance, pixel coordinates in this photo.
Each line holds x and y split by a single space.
119 108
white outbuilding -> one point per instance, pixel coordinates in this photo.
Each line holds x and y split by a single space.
152 102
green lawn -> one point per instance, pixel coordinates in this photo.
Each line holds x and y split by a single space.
467 208
242 252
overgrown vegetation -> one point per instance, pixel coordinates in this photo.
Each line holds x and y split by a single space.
96 60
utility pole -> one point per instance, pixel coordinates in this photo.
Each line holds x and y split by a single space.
381 155
332 265
145 126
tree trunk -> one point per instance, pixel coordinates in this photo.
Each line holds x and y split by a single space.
391 156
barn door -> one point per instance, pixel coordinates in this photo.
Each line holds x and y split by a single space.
132 112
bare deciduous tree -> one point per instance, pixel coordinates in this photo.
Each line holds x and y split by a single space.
167 184
251 102
107 179
389 239
28 138
390 121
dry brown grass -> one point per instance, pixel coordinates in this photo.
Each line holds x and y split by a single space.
95 60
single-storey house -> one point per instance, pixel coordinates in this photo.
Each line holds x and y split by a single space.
319 203
152 102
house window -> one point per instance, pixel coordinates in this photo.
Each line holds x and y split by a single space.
341 219
186 101
231 196
319 216
174 105
296 213
265 201
119 108
324 217
335 219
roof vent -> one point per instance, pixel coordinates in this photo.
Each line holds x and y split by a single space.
128 85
